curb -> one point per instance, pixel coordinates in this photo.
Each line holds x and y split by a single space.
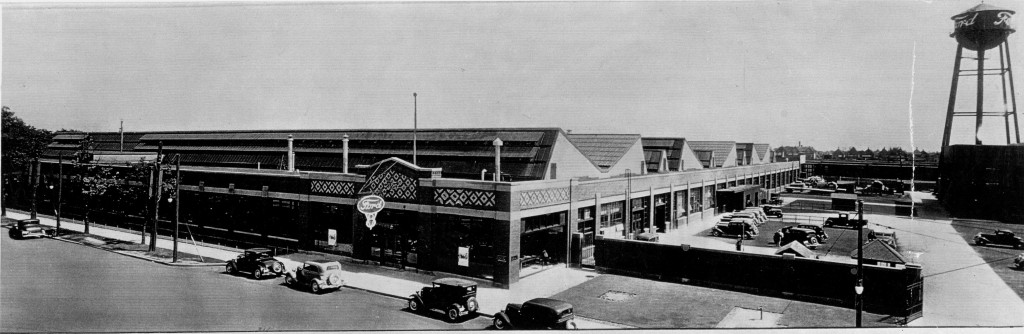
385 294
166 263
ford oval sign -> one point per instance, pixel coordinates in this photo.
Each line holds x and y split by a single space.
370 206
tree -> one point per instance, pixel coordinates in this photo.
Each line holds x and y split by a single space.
21 142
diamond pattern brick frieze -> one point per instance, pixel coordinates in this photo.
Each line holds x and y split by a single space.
392 185
464 197
534 198
332 187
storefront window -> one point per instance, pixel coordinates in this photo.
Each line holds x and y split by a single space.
611 214
696 200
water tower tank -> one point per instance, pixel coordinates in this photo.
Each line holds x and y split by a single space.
982 27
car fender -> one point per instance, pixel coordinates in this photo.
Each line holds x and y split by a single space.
504 317
418 298
980 238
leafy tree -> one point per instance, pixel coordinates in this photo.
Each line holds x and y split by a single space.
21 142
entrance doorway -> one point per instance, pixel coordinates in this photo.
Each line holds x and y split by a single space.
543 242
393 242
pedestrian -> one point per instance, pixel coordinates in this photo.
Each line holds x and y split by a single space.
544 258
739 243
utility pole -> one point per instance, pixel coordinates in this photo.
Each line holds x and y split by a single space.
34 179
177 202
415 126
158 188
859 288
60 188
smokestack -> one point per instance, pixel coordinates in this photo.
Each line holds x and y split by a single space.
291 154
344 154
497 159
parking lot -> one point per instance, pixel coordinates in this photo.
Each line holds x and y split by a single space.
841 243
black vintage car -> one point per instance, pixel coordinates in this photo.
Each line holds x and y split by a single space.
537 313
735 228
258 262
772 210
844 220
807 237
26 228
1000 237
455 297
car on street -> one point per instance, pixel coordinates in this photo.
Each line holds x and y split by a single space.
30 228
256 261
844 220
537 313
758 212
735 228
748 215
772 210
999 237
455 297
807 237
316 275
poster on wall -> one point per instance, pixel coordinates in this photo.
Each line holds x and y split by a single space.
332 237
464 256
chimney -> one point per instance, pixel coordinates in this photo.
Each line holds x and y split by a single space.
291 155
497 159
344 154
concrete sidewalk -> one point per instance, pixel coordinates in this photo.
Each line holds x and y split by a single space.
372 278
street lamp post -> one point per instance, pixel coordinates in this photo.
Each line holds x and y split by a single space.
859 289
415 127
177 203
60 189
627 216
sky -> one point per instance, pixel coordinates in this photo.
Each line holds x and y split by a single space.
828 74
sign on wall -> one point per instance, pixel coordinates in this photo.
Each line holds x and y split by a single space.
464 256
332 237
370 205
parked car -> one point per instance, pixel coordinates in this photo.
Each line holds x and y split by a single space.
757 212
1019 262
652 237
843 220
537 313
256 261
30 228
317 275
807 237
455 297
772 210
735 228
884 234
1000 237
748 215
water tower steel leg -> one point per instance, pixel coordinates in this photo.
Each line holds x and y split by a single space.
979 110
1002 80
1013 93
952 101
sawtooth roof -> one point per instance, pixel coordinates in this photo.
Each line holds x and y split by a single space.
880 251
721 149
604 150
674 147
762 150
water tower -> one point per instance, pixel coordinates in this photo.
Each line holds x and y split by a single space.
978 29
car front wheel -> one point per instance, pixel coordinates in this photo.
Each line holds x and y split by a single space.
231 268
314 287
257 273
289 280
570 325
453 313
716 233
500 323
980 242
414 305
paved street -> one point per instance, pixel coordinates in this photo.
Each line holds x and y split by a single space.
53 286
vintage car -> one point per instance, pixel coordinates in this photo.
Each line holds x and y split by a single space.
882 233
537 313
772 210
256 261
30 228
317 275
999 237
652 237
455 297
807 237
843 220
735 228
1019 262
748 215
798 186
758 212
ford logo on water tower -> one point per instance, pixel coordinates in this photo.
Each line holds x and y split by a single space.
370 205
